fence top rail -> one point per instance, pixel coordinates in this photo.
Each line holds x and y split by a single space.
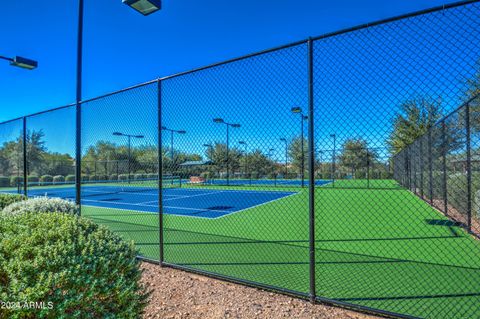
38 113
119 91
324 36
395 18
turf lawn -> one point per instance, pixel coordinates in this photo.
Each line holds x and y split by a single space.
381 247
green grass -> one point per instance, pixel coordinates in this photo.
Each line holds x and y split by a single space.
382 248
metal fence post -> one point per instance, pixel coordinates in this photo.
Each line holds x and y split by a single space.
78 114
160 174
469 169
444 164
25 162
311 171
430 166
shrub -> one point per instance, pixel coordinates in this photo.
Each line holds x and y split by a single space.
59 179
4 181
152 176
84 269
122 177
41 205
16 180
93 178
8 199
46 179
33 179
114 177
70 178
85 178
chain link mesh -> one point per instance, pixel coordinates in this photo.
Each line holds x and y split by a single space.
209 170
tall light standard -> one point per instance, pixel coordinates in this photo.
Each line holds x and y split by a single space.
221 121
286 155
172 152
20 62
129 137
245 152
303 117
145 7
334 157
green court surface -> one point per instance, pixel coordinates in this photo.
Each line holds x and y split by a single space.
381 247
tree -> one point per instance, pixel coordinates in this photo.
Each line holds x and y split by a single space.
413 120
295 153
356 155
259 165
218 155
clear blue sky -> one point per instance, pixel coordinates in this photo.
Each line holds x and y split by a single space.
360 78
123 48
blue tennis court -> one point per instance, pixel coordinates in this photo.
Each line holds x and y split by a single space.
204 203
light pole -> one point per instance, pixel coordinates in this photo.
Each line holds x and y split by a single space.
333 157
143 6
221 121
129 137
172 152
245 152
20 62
286 155
303 117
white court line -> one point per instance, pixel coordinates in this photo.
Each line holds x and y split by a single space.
143 205
190 196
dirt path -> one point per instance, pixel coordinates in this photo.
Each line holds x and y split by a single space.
178 294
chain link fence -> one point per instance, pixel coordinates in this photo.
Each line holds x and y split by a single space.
343 169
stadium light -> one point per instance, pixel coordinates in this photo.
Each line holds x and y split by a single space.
129 137
219 120
303 117
334 136
20 62
145 7
172 152
286 155
245 152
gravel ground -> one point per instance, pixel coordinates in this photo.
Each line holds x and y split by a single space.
178 294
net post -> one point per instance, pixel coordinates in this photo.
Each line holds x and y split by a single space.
311 171
25 162
160 174
421 167
469 168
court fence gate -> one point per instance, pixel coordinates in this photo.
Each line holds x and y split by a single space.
343 169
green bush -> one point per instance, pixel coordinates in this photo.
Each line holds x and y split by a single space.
4 181
82 269
114 177
33 179
46 179
41 205
70 178
59 179
93 178
122 177
85 178
8 199
16 180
